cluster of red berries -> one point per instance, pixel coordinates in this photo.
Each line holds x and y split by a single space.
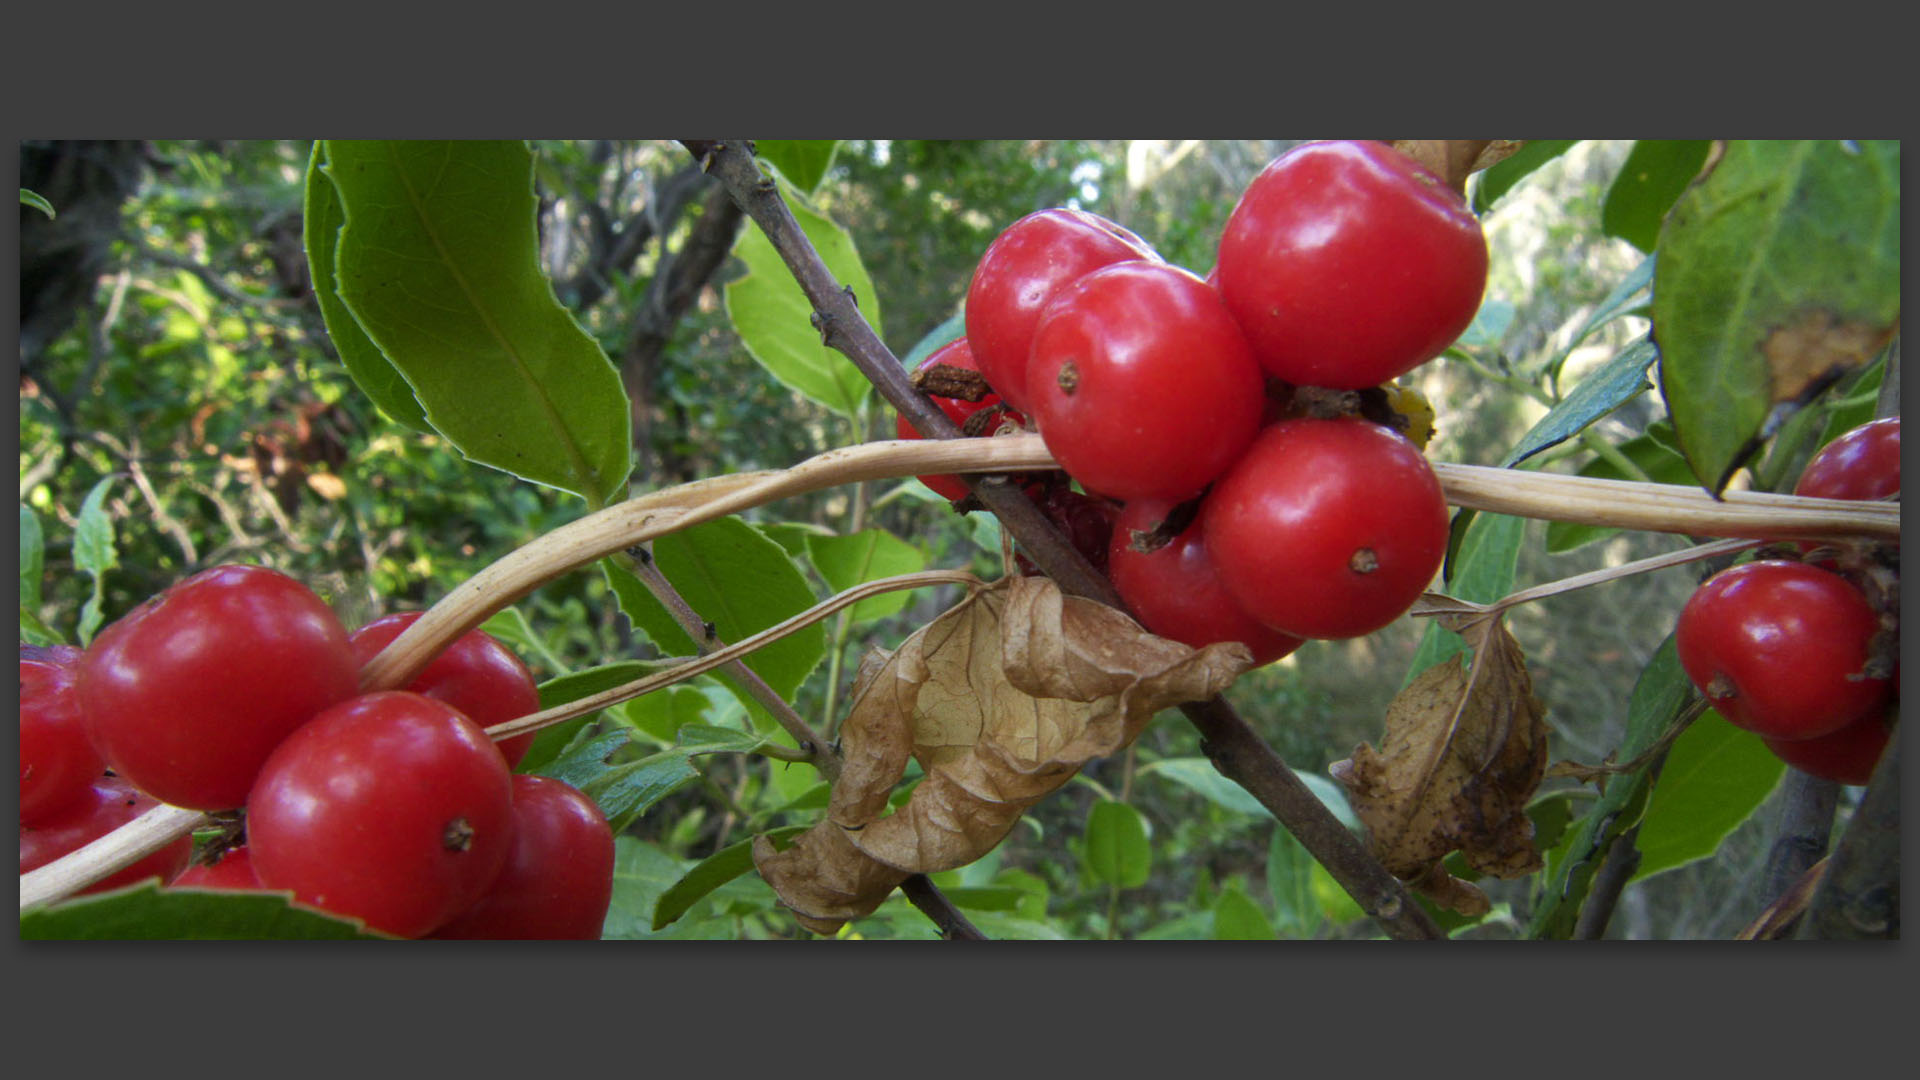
238 688
1220 422
1793 649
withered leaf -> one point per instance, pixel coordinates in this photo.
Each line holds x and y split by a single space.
1464 750
1001 699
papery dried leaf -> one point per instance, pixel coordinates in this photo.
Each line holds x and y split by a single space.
1451 893
1001 699
1464 750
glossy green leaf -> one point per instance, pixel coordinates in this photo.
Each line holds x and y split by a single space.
439 263
1661 464
1118 851
1290 884
36 200
1658 697
1714 778
1238 918
372 372
93 553
735 578
774 320
1606 388
1778 270
1655 173
709 874
1497 180
846 561
148 912
804 162
1481 570
1199 775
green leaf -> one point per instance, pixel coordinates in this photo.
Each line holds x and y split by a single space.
804 162
1199 775
627 790
1290 884
774 320
1655 173
1118 851
36 200
32 558
642 872
148 912
709 874
1623 300
1481 570
1237 918
734 577
1714 778
1661 464
1489 325
439 262
1659 695
510 625
550 742
1500 178
661 714
93 552
846 561
377 378
1609 386
1779 270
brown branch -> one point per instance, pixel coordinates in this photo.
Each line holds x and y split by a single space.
1231 743
934 905
1859 897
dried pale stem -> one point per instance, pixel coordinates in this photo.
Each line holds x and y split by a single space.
117 850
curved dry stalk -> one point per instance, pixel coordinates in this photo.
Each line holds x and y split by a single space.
121 848
720 657
655 514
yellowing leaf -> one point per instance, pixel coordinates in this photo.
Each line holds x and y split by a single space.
1001 699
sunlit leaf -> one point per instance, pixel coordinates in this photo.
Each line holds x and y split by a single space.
93 553
804 162
372 372
1714 778
439 263
1238 918
774 319
846 561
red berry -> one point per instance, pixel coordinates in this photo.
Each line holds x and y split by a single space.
558 881
1142 385
1863 464
1327 528
1024 267
189 693
1847 756
108 803
476 674
1174 591
1348 265
1780 648
957 354
58 763
391 807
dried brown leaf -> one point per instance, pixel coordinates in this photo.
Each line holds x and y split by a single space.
1001 699
1465 748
